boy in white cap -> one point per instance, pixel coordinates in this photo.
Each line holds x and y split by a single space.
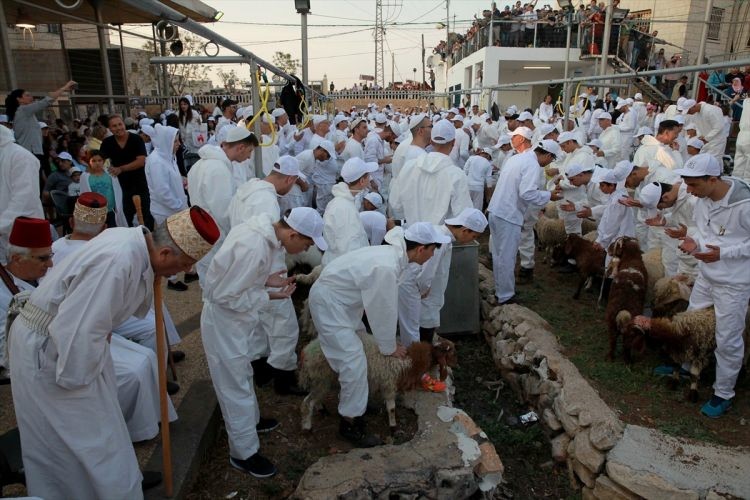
342 226
310 161
419 128
235 291
353 147
376 150
610 139
430 188
721 243
375 225
461 145
372 202
659 147
478 170
617 219
694 146
324 175
365 281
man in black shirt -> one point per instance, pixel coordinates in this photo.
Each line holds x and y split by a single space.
127 155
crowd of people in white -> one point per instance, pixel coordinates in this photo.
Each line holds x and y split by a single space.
384 193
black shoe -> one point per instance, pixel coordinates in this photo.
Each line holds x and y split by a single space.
4 378
190 277
426 334
266 425
177 286
512 300
178 356
354 432
172 388
285 383
151 478
257 466
525 275
262 372
568 268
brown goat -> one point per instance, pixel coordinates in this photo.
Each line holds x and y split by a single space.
589 259
627 296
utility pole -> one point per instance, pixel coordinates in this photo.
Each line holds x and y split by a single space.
379 32
424 78
702 47
303 8
393 70
605 37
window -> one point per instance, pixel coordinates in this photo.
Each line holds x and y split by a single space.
641 20
715 24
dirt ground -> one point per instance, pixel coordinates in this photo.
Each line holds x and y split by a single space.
631 389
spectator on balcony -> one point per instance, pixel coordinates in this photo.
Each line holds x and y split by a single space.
680 89
529 18
546 110
670 79
737 92
516 27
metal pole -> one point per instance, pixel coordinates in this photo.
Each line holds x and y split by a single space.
393 70
10 68
104 55
605 38
124 74
566 87
256 125
304 48
702 47
164 72
424 76
156 53
68 70
448 48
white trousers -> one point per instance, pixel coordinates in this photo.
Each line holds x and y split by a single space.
526 245
343 349
409 305
432 304
277 334
226 340
642 233
730 305
504 247
477 198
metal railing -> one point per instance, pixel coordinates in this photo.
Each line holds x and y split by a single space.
720 94
387 94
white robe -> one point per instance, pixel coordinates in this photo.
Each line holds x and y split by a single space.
342 227
164 179
19 186
612 145
64 384
710 121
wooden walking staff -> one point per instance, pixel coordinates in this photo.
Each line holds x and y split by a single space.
161 350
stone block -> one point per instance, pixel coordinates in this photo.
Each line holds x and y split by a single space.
496 325
550 388
464 424
559 445
569 422
531 385
584 418
583 473
550 420
587 493
454 483
604 434
505 347
585 453
606 489
489 462
647 484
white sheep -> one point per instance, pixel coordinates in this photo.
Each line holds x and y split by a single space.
550 234
655 269
386 375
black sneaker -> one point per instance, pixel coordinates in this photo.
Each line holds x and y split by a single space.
354 432
177 286
178 356
172 388
151 479
257 466
512 300
190 277
266 425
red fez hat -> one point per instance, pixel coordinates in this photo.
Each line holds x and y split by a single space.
28 232
204 224
92 200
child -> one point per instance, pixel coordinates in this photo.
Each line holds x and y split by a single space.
617 219
97 179
74 188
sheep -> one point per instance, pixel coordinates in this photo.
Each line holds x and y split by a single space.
589 260
671 296
627 294
652 261
550 210
310 257
386 375
588 226
551 235
590 236
688 337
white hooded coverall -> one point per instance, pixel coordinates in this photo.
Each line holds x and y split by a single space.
742 153
342 227
362 281
233 295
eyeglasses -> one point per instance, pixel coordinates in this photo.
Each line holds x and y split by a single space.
42 258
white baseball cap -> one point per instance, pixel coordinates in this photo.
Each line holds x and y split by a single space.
512 110
375 199
328 146
356 122
75 170
691 126
622 170
525 116
354 168
502 140
545 129
458 118
338 119
486 151
43 125
523 131
696 143
453 110
679 119
650 195
621 104
550 146
577 168
307 221
638 96
318 119
470 218
278 112
596 143
567 136
605 116
65 156
644 131
286 165
685 105
443 132
380 119
700 165
425 233
236 134
416 120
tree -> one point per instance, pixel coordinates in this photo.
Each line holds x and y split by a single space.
228 79
285 63
179 76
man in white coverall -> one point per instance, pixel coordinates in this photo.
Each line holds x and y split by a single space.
342 227
710 121
365 281
274 341
73 435
234 293
211 184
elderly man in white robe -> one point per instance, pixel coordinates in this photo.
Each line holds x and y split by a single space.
234 294
211 184
274 341
61 368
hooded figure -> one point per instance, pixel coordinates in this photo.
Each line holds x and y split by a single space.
742 153
164 180
19 186
342 229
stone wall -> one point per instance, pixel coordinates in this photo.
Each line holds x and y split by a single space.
605 457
